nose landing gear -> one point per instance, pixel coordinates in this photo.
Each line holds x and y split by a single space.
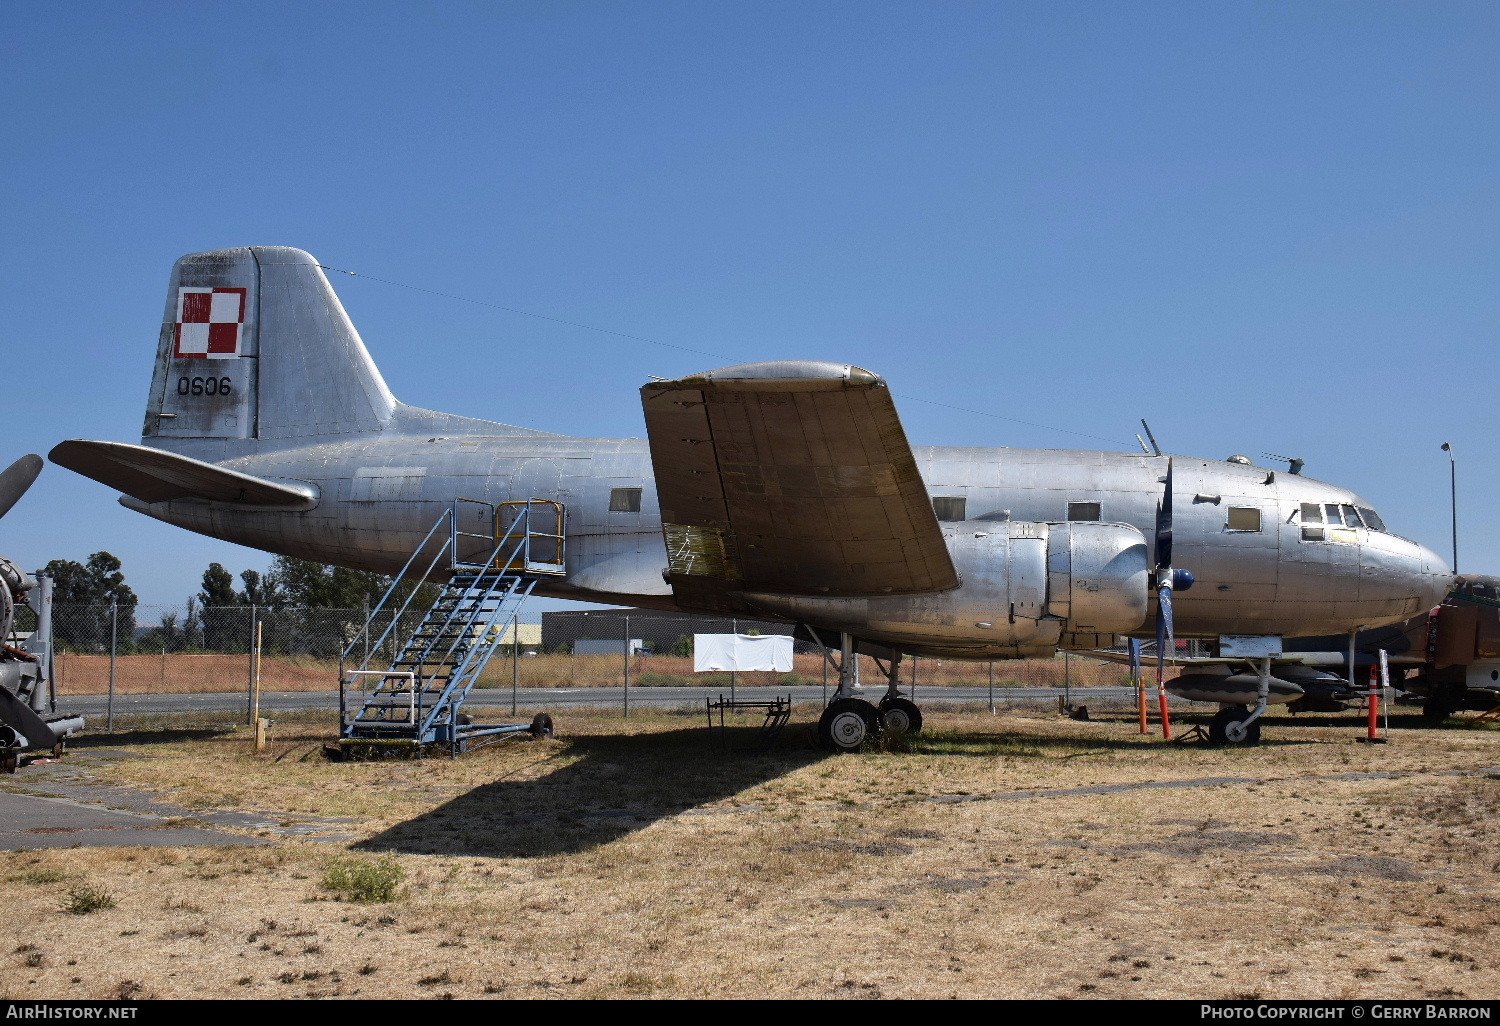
1228 727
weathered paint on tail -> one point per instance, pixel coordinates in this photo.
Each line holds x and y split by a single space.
255 344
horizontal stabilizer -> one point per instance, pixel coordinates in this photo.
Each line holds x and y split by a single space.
152 475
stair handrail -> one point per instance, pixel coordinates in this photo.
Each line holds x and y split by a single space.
463 635
396 617
460 668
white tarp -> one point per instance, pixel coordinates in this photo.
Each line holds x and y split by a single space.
742 652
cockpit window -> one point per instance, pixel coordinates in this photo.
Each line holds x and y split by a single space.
1351 517
1312 522
1372 519
1335 515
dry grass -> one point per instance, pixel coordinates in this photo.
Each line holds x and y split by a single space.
633 858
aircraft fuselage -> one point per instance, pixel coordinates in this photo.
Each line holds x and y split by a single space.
1239 529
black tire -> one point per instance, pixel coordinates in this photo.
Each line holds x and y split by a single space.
9 761
541 726
1224 719
847 724
1437 708
900 716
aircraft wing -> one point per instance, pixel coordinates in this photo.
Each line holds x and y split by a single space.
791 477
154 475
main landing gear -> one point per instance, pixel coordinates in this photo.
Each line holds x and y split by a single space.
848 723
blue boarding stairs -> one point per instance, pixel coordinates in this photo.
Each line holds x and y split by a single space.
492 556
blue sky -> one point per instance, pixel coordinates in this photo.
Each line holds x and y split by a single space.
1267 227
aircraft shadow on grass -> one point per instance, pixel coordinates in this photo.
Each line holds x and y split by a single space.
612 785
608 787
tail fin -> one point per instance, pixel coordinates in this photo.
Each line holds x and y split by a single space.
254 344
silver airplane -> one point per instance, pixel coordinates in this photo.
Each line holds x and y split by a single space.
783 490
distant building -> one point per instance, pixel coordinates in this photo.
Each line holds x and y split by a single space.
529 633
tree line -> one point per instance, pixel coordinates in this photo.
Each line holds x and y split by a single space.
92 601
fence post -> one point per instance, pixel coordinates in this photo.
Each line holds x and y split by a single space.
627 666
114 630
992 687
515 659
255 720
250 673
734 627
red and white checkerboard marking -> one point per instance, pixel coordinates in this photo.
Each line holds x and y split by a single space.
209 323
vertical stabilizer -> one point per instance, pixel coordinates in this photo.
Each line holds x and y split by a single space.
255 345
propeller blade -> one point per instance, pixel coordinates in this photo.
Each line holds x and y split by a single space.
1164 524
1164 641
1165 637
16 479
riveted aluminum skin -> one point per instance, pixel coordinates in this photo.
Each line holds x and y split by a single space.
374 473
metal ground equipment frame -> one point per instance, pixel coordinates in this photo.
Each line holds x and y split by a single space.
777 711
492 556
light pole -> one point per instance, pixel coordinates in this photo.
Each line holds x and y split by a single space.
1453 499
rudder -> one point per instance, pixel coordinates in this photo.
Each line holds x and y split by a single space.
254 344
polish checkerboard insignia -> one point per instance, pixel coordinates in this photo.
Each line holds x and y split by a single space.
210 322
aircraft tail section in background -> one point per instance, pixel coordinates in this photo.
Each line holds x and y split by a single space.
255 344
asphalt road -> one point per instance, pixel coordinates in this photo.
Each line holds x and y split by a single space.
557 698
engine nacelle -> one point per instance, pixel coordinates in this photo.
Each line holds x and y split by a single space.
1026 589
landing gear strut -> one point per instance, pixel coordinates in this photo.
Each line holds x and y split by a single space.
849 722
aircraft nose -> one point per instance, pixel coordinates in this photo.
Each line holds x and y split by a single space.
1409 571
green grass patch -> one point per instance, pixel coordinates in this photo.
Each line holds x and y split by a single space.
365 879
83 899
40 876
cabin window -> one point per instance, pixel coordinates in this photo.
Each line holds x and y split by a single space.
624 500
1244 518
1083 511
949 508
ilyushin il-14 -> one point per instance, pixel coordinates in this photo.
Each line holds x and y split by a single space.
785 490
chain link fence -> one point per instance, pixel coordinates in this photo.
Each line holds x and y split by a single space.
204 654
191 649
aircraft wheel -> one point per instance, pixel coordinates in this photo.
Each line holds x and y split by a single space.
1437 708
900 716
541 726
1228 728
9 761
847 724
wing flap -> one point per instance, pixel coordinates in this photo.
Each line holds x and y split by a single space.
154 475
791 477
